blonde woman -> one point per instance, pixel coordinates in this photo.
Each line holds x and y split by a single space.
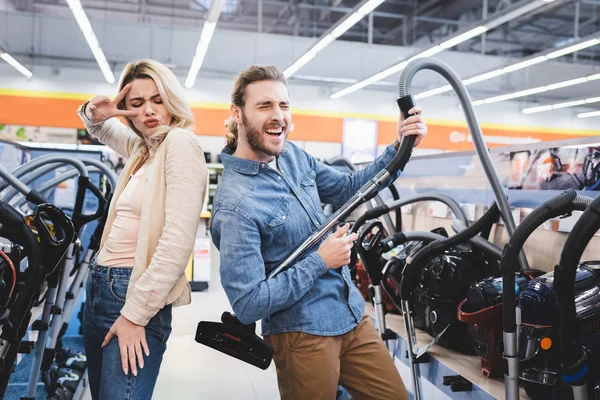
138 274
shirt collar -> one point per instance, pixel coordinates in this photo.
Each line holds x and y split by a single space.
242 165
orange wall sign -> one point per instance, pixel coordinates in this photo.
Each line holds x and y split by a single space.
58 110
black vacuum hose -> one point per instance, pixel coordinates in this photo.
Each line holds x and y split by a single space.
378 211
437 247
574 358
557 206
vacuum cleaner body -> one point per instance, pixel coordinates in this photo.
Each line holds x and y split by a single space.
539 345
443 284
482 311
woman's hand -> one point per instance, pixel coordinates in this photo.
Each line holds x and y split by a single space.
413 125
101 108
131 339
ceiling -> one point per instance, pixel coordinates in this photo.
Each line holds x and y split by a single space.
395 23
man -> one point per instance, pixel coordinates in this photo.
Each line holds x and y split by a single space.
268 202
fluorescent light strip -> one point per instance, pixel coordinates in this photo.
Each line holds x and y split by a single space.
463 37
90 37
539 89
573 49
489 24
558 106
514 67
205 37
328 38
395 68
369 81
589 114
15 64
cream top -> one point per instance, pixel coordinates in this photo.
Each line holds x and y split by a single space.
119 249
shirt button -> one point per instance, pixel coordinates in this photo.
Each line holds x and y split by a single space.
279 177
284 217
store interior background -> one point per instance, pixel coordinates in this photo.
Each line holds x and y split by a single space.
44 36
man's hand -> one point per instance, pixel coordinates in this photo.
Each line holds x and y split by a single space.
414 125
335 250
131 338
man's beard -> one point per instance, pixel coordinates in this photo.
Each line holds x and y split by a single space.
253 136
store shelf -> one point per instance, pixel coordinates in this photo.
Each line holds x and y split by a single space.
467 366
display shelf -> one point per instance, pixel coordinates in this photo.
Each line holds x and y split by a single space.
467 366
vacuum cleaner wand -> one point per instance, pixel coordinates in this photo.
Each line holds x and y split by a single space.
238 340
364 194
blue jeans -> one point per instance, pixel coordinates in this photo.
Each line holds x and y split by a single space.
106 290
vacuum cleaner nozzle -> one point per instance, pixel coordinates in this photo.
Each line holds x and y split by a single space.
236 340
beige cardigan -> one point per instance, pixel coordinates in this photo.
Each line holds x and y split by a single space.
175 189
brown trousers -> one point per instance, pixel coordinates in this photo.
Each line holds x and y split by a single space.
310 367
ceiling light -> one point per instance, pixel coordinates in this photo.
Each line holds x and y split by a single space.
15 64
90 37
205 37
568 49
558 106
589 114
351 19
523 7
463 37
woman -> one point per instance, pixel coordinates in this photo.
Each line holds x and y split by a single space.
150 231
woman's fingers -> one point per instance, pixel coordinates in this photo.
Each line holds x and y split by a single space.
132 360
145 345
126 113
139 354
124 358
122 94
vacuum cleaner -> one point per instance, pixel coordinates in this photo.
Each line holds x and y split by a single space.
238 340
558 206
482 309
413 269
577 290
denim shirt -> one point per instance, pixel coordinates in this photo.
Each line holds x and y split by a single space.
260 216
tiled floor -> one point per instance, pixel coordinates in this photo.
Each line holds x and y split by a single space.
192 371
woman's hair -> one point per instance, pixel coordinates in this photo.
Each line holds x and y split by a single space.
170 92
255 73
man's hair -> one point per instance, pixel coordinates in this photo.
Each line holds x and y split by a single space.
255 73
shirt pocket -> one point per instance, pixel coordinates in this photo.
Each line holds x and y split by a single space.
280 215
308 183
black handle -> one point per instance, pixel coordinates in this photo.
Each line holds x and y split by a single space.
53 246
36 197
83 185
406 145
97 235
369 249
14 228
406 103
373 213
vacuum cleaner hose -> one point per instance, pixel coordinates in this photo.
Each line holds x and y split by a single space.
574 358
465 100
